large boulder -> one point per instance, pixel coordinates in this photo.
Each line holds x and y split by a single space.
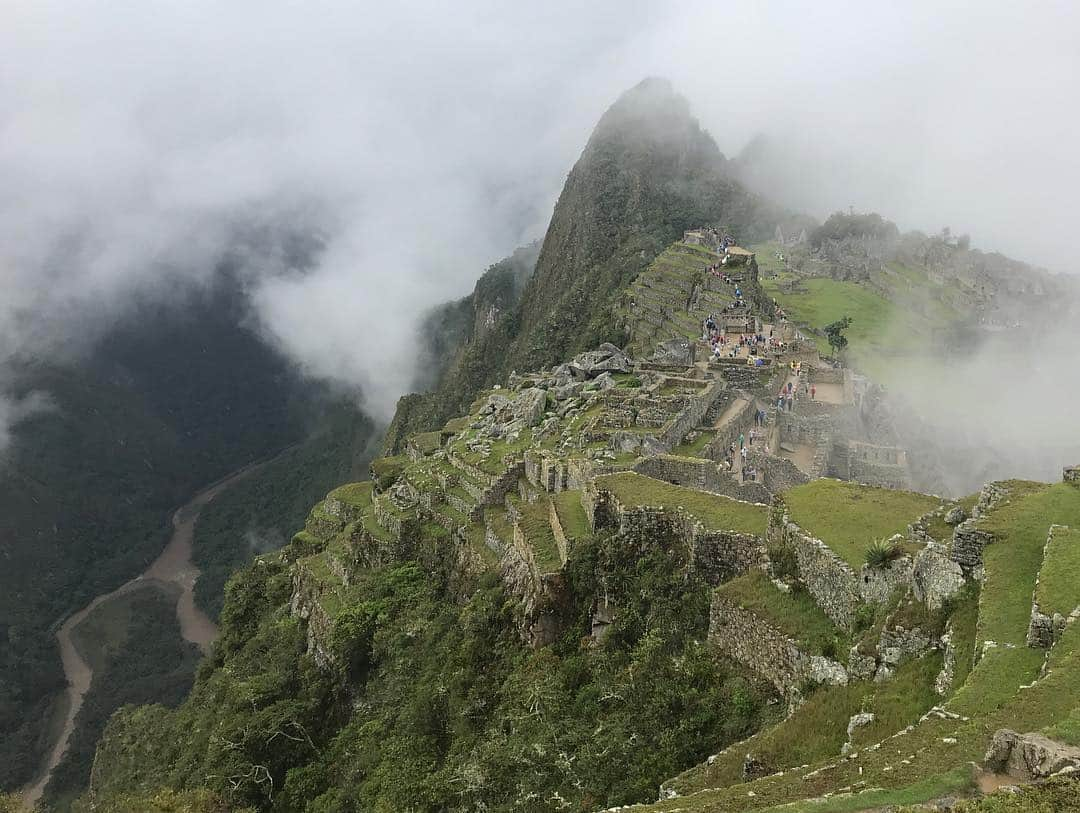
529 406
675 352
936 578
607 358
1029 756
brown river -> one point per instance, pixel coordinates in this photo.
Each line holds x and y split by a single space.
173 566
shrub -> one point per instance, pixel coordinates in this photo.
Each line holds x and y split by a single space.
881 554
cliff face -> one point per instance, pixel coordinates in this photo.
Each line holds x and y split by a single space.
647 173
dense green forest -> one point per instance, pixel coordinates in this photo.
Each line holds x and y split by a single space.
262 511
438 705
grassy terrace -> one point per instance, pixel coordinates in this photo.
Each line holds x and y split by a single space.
848 517
1020 525
536 526
357 495
492 463
427 442
571 514
715 512
496 518
795 614
1058 590
387 469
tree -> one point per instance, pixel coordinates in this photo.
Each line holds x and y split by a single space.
835 334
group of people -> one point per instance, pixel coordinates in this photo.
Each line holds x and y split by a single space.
789 392
743 449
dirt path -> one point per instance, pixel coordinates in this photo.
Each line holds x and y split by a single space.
173 565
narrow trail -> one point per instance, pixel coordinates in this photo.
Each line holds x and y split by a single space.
173 565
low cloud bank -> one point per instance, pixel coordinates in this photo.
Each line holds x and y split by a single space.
1008 410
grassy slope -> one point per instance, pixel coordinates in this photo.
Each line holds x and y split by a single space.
1020 526
848 517
1058 590
884 329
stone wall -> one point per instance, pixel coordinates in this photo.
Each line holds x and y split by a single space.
690 418
542 599
744 636
561 542
1045 628
827 578
812 430
716 555
967 545
876 584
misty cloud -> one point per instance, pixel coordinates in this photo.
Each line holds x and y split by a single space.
14 410
421 142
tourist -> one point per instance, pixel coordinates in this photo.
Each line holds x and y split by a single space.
813 393
742 441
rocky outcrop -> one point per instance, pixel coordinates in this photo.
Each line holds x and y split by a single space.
935 577
674 353
1029 756
606 359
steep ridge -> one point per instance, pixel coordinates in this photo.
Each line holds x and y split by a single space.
647 173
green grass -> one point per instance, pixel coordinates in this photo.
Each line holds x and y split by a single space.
572 516
476 535
848 517
795 613
1067 729
536 526
901 701
491 463
357 495
1020 525
372 526
715 512
991 699
964 619
695 447
496 517
956 781
427 442
387 469
816 730
1058 590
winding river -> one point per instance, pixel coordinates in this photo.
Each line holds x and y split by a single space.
173 566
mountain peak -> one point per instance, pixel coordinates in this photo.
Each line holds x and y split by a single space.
651 109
